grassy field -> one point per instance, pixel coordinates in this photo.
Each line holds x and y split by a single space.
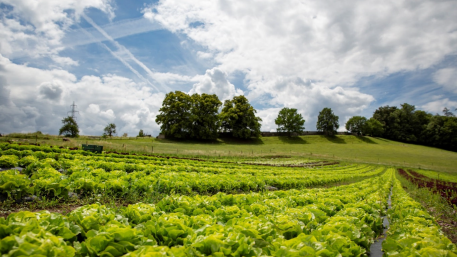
339 148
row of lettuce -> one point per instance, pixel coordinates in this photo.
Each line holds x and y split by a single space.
412 231
339 221
50 175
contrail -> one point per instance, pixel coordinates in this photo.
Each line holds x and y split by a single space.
123 49
123 61
116 30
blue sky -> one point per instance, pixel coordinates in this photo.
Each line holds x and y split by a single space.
117 59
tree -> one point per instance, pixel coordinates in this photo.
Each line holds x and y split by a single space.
373 127
356 125
174 117
383 115
141 133
289 120
441 132
238 117
70 127
204 116
110 129
406 126
327 122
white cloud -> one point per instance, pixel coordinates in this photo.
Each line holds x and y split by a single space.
99 100
36 28
51 90
437 106
309 99
333 44
93 108
447 78
268 117
108 114
215 82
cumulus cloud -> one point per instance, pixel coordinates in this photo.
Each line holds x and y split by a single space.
93 108
51 90
437 106
36 28
268 117
113 99
309 99
447 78
333 44
215 81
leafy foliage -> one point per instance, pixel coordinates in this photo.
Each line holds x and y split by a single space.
373 128
110 129
70 127
410 125
356 125
333 221
141 133
204 116
413 232
238 117
8 161
327 122
14 185
289 120
323 222
175 115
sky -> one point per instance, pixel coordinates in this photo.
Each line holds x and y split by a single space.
117 59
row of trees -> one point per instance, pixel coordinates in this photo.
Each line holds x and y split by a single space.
196 116
406 124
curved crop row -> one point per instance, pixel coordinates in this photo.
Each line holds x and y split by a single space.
413 232
122 176
340 221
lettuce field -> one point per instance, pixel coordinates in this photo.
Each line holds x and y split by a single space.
190 207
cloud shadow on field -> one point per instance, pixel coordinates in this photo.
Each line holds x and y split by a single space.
334 139
292 140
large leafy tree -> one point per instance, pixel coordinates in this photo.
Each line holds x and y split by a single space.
383 115
373 127
442 132
175 115
238 117
289 120
327 122
204 116
356 125
110 129
70 127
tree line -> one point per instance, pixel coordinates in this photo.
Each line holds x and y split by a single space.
406 124
197 117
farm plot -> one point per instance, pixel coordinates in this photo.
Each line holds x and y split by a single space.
448 190
200 216
60 174
342 220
